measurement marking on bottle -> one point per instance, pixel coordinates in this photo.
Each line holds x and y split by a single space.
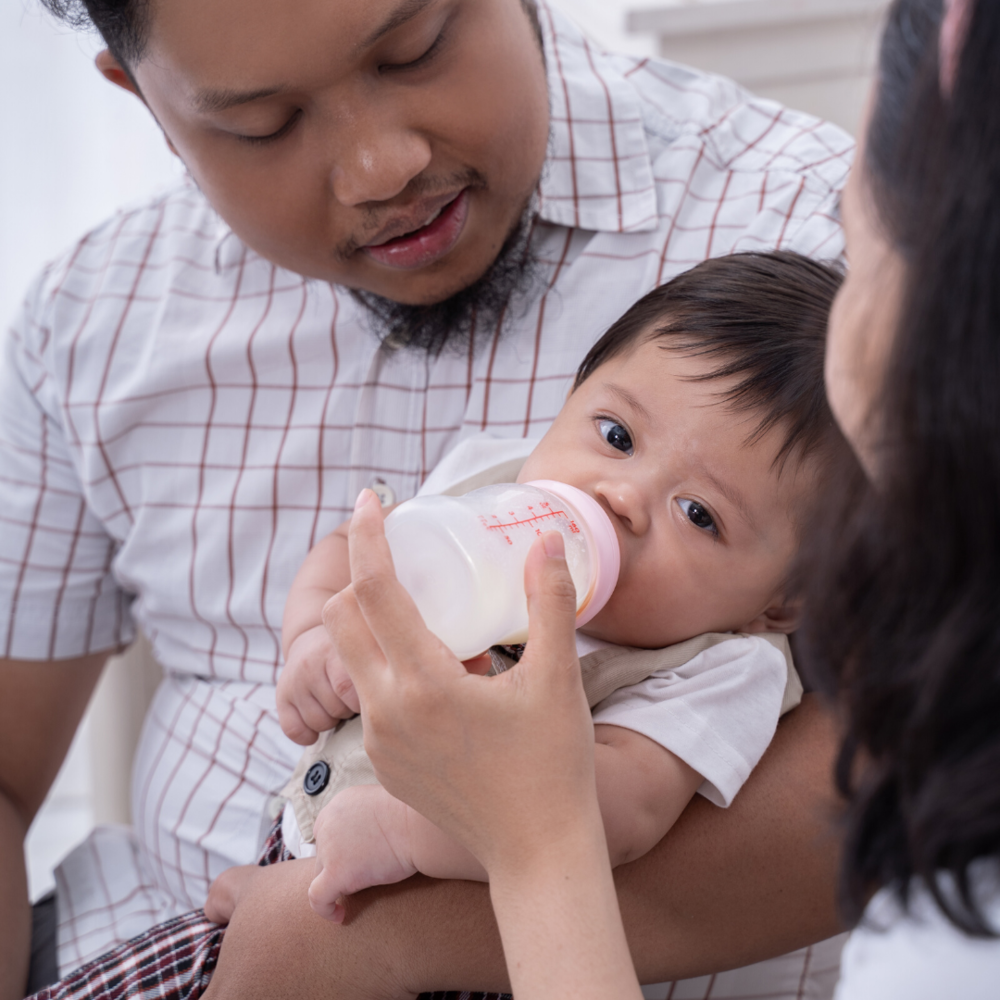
532 521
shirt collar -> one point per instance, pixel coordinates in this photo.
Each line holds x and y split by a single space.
598 172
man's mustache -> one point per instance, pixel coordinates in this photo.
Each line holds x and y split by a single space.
422 188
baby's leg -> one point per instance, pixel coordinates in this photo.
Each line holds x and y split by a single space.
361 840
366 837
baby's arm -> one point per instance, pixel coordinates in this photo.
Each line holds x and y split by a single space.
366 837
313 690
326 571
642 788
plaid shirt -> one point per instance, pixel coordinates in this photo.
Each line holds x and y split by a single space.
180 421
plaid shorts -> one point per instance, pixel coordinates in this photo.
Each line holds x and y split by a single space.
174 960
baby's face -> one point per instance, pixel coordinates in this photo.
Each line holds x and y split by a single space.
707 526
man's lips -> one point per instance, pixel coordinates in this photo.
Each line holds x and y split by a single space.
429 241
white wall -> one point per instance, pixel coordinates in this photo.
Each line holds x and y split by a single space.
815 55
72 148
604 21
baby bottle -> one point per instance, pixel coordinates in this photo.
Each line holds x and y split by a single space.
462 558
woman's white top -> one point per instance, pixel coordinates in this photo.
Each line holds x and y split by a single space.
921 955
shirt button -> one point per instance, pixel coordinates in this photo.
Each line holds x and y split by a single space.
317 778
385 493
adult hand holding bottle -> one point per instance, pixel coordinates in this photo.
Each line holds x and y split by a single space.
504 764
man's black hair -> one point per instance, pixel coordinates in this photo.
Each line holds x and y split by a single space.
124 24
762 317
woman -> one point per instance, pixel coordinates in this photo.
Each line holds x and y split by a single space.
903 633
904 630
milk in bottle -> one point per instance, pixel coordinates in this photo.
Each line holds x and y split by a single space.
462 558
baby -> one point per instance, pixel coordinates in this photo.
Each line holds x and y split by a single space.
699 423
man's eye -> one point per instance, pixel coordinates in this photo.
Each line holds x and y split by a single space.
615 435
698 516
420 60
263 140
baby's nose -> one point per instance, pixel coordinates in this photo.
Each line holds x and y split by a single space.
627 504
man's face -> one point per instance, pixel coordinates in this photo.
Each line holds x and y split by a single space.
706 524
385 145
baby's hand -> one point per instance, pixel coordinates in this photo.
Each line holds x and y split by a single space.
314 691
361 840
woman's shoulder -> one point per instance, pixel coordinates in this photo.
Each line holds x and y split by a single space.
916 952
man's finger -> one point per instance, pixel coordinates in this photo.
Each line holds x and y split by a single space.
388 609
224 892
551 605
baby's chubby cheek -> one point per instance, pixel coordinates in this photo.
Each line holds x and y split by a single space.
537 467
638 616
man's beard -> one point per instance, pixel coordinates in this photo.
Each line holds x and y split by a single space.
470 315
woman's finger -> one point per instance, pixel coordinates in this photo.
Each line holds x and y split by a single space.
359 654
388 609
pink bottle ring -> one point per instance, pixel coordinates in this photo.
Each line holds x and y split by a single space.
602 542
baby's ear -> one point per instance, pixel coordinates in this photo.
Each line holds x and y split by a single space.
781 616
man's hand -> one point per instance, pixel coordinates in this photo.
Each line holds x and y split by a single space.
41 705
394 939
314 691
224 893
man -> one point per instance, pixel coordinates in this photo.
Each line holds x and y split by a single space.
408 220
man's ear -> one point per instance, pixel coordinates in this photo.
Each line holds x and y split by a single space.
111 69
781 616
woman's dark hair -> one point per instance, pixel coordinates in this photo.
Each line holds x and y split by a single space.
762 317
903 623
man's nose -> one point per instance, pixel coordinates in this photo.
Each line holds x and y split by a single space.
627 502
376 164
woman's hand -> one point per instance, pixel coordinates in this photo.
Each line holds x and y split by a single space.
500 762
504 764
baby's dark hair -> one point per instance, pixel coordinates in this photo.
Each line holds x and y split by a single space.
763 317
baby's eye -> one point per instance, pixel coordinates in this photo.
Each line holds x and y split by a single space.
615 435
698 516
